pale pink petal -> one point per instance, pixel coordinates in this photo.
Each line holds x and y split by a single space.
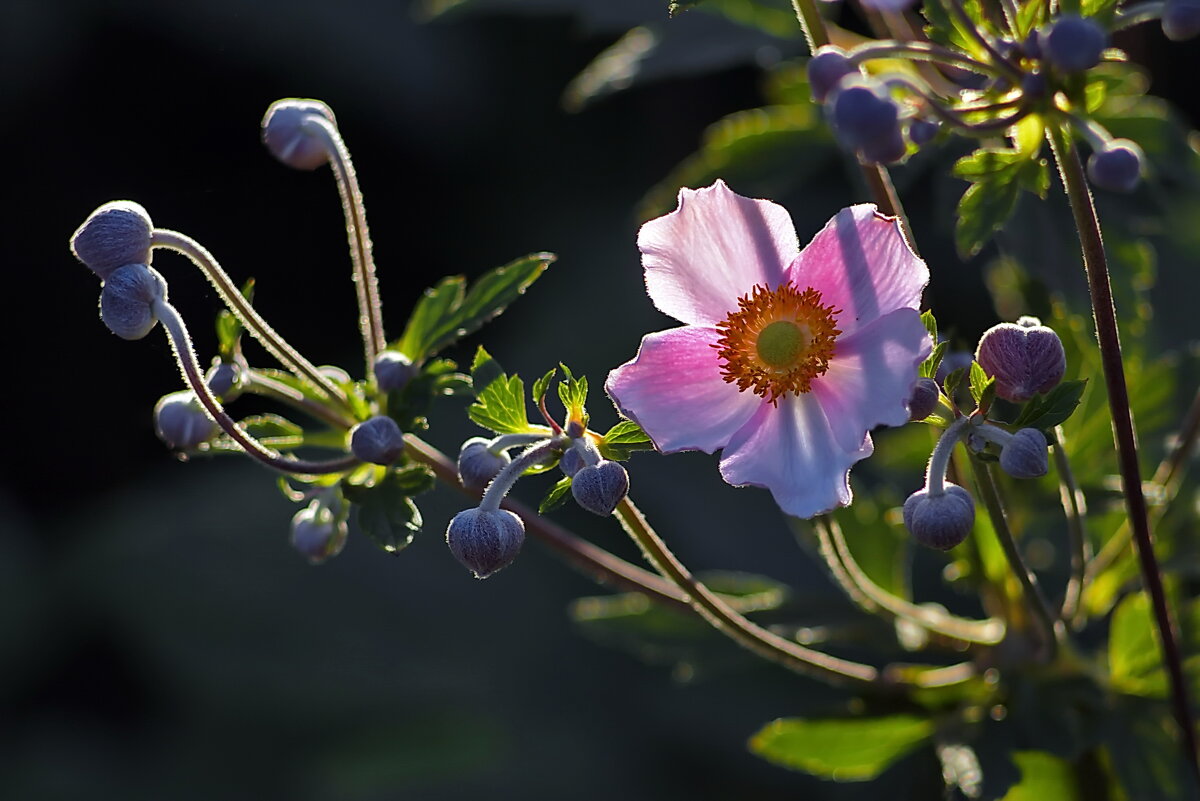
871 376
791 450
713 249
674 391
862 265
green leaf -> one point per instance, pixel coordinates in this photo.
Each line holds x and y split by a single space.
556 497
930 366
997 176
979 382
845 749
930 323
1043 777
449 311
229 328
385 512
1134 655
542 386
272 426
623 439
499 400
573 394
1054 408
953 381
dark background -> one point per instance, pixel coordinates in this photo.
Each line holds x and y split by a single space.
158 636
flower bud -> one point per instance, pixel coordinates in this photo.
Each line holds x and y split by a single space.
316 534
485 541
378 440
222 377
864 115
393 370
886 149
1075 43
181 422
826 69
924 399
600 487
1025 358
477 465
1117 166
1024 456
284 135
127 298
940 521
116 234
1181 19
571 462
921 132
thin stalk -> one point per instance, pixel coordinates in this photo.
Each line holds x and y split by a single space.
1104 312
956 9
919 51
1075 509
370 311
250 319
1137 14
185 355
264 386
1052 632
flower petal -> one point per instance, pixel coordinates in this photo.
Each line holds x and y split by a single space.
862 265
791 450
673 389
714 248
871 376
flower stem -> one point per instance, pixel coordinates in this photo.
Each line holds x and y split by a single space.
1075 509
919 51
257 383
1104 313
276 345
503 482
1137 14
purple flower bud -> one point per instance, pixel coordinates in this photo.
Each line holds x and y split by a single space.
1033 84
116 234
1024 456
1026 358
284 135
864 115
940 521
181 422
378 440
485 541
826 69
1116 167
1181 19
921 132
885 150
316 534
222 377
1075 43
924 399
477 465
393 370
1033 45
127 298
600 487
571 462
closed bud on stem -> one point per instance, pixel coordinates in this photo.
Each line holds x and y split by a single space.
1117 166
1181 19
378 440
1024 454
571 462
826 69
1075 43
941 520
127 299
922 132
485 541
116 234
477 465
223 377
317 534
1025 358
393 370
600 487
284 135
867 120
924 399
181 422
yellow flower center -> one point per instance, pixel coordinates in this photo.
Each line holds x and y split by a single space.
777 341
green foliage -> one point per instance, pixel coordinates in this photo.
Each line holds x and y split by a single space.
556 497
229 328
997 177
1043 777
623 439
449 311
844 749
983 387
385 511
573 394
499 399
1054 408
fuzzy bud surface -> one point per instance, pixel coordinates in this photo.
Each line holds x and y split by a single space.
1026 358
600 487
485 541
116 234
127 299
378 440
940 521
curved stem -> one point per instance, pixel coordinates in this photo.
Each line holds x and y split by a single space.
256 383
253 322
1137 14
370 311
956 9
1104 313
919 51
185 355
939 460
1075 509
504 480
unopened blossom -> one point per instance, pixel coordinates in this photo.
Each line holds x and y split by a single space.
786 358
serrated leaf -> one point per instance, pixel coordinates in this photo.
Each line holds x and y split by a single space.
1053 408
542 385
983 209
844 749
953 381
385 512
573 394
930 366
556 497
979 380
930 323
499 400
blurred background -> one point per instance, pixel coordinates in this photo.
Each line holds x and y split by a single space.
158 636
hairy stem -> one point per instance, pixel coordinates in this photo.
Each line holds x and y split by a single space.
257 383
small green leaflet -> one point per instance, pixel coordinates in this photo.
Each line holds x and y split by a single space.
930 366
624 438
229 328
846 749
542 386
385 512
556 497
997 177
499 399
953 381
983 387
573 394
450 310
1054 408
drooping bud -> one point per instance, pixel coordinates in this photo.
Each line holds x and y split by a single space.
865 118
316 534
1117 166
1024 456
378 440
600 487
284 135
571 462
181 422
1181 19
116 234
1026 358
940 521
921 132
223 377
477 465
393 370
826 69
485 541
1075 43
127 298
924 399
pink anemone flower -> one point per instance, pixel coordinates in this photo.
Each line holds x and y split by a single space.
787 358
